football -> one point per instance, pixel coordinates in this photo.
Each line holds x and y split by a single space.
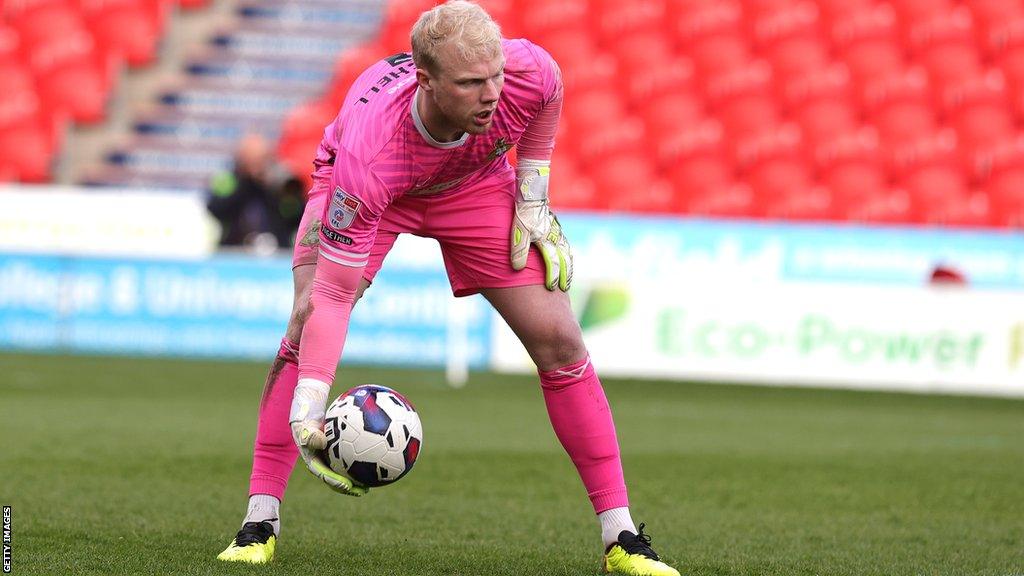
374 435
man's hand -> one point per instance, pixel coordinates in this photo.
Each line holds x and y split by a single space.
534 223
307 422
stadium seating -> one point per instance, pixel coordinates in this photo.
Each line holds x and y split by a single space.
60 60
888 111
852 110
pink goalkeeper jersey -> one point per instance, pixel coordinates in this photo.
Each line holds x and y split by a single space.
377 149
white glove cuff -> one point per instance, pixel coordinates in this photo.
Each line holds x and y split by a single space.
309 401
532 179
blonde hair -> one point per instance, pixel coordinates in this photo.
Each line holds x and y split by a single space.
467 26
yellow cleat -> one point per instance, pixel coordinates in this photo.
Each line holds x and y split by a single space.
254 544
632 555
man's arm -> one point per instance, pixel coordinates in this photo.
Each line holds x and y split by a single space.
534 223
348 229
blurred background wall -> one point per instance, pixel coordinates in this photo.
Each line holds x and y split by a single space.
819 192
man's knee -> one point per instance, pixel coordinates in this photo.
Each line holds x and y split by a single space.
559 347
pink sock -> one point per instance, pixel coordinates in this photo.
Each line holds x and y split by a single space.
582 421
274 454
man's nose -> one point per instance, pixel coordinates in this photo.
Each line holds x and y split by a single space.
492 89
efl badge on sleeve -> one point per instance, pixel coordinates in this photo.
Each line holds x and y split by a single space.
343 209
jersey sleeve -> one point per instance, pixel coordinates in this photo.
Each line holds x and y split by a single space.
538 140
347 231
356 202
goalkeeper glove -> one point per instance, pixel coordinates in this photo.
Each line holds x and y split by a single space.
534 223
309 405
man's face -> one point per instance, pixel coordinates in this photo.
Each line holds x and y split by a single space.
467 92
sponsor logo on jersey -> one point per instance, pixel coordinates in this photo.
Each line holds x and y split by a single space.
343 209
335 237
501 146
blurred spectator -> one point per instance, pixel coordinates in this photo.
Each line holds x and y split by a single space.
258 203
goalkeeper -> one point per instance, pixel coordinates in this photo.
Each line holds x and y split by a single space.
419 147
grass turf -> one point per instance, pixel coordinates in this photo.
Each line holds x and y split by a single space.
117 466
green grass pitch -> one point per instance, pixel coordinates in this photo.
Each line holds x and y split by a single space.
118 466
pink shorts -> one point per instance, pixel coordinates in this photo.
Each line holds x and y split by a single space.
472 225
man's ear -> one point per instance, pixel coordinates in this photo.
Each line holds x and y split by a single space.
423 80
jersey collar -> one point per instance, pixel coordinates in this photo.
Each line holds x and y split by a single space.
423 129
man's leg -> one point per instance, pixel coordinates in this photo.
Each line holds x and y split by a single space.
580 415
274 453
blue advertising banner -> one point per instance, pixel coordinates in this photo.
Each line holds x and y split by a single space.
226 306
675 249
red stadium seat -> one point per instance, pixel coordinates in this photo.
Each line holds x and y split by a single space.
916 10
694 158
771 161
797 56
713 36
301 133
594 107
719 52
1006 45
808 204
989 12
728 201
869 43
131 29
621 177
71 74
571 47
669 113
614 19
701 174
598 142
72 77
992 163
539 18
834 11
27 139
939 148
571 188
1006 193
653 80
778 178
891 207
642 50
820 102
792 39
979 108
757 8
936 184
902 122
822 119
945 43
784 21
850 164
901 106
598 74
742 100
972 209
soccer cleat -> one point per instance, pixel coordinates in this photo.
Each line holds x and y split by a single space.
632 555
254 544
